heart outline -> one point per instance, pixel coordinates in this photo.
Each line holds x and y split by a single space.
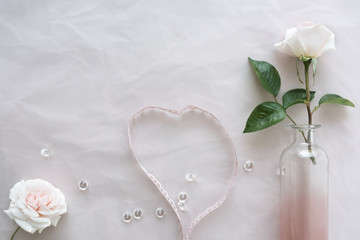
185 234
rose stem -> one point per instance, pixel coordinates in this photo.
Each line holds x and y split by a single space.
308 107
12 237
292 120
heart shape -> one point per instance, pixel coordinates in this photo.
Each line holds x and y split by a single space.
186 233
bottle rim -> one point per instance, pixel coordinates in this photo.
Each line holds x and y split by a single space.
305 126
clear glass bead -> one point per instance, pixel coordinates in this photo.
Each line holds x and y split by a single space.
190 177
248 166
183 197
182 206
83 185
160 212
45 152
138 213
127 217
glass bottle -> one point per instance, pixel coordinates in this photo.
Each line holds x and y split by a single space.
304 174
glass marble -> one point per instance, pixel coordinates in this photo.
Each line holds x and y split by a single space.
45 152
127 217
160 212
183 197
182 206
248 166
83 185
138 213
190 177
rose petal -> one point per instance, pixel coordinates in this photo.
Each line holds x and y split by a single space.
329 45
291 32
14 191
40 225
314 38
55 220
296 45
291 45
40 220
284 48
19 204
17 213
30 212
7 212
305 24
57 211
25 226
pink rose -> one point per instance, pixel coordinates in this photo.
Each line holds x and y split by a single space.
36 205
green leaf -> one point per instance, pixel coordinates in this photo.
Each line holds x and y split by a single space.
265 115
267 75
296 96
335 99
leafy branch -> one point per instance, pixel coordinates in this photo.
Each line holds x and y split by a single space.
270 113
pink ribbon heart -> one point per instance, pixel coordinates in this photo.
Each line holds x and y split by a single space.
186 233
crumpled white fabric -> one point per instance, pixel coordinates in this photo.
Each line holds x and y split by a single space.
73 72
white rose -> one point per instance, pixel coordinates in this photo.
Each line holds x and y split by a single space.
307 40
35 205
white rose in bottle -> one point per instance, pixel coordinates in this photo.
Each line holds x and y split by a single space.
307 40
35 205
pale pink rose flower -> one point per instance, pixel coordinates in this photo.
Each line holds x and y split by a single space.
35 205
307 40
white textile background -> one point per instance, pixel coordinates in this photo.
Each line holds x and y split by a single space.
73 72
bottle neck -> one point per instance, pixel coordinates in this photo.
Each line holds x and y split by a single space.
304 133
